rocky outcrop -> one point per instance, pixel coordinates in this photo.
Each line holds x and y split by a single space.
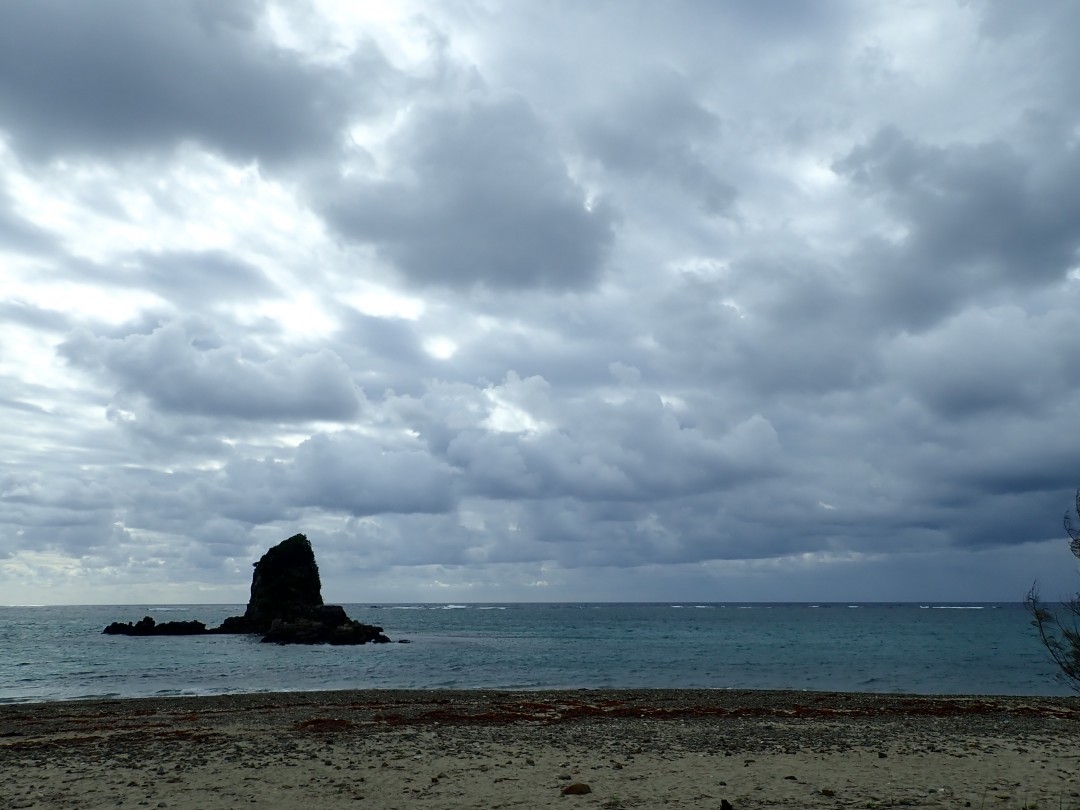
285 586
330 626
286 606
146 626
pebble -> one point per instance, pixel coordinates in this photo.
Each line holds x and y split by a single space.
576 789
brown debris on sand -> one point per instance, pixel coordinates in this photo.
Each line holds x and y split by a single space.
633 748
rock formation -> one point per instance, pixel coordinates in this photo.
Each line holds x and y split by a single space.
329 625
146 626
286 606
285 585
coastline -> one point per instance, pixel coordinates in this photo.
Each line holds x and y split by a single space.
633 748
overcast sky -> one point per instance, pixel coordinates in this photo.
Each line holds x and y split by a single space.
539 301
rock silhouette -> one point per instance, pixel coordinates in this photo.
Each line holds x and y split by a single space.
286 606
146 626
285 585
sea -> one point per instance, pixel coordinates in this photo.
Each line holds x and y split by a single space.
51 653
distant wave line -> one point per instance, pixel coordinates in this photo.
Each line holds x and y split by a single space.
953 607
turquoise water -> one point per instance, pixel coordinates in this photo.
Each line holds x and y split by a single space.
58 653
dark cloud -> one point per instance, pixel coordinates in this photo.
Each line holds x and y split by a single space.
775 300
344 473
982 361
978 220
118 76
659 130
387 352
57 513
478 195
634 451
349 473
1001 20
786 18
184 370
151 434
790 335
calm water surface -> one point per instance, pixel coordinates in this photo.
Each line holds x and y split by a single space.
58 653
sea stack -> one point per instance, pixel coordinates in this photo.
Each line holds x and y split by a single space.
285 586
286 606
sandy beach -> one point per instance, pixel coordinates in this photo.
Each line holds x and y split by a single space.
647 749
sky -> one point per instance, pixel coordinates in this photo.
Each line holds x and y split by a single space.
539 301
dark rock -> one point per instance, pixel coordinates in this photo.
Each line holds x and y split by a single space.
146 626
285 585
313 632
192 628
234 624
122 629
576 789
286 606
332 615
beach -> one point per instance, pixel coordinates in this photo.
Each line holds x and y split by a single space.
501 749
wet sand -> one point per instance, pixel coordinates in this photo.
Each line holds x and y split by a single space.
480 749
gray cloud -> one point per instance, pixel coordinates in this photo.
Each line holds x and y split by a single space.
34 316
19 405
775 300
192 277
634 451
344 473
355 475
387 352
184 280
478 194
979 220
17 235
120 76
184 371
981 361
659 130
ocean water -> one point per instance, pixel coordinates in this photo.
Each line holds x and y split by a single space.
59 653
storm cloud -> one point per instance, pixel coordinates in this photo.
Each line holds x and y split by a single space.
119 78
477 194
514 302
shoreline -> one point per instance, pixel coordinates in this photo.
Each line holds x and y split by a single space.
13 702
719 697
486 748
